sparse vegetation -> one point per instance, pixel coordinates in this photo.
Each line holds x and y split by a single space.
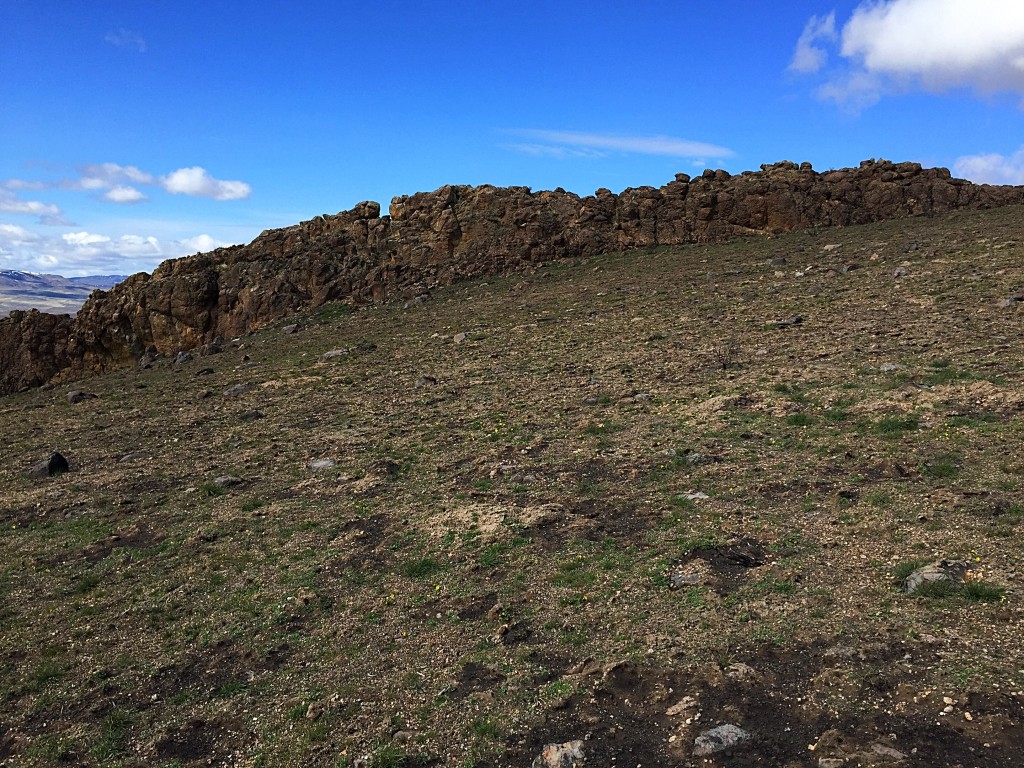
580 505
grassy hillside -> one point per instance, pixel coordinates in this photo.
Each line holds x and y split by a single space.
622 501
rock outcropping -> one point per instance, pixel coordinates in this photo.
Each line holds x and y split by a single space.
436 238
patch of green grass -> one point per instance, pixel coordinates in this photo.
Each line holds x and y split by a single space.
251 505
86 583
485 728
894 425
46 672
938 589
601 428
211 490
573 573
421 567
940 468
942 372
112 739
982 592
800 419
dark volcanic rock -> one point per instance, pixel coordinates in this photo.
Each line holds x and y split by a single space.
436 238
54 465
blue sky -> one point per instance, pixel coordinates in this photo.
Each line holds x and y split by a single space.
132 132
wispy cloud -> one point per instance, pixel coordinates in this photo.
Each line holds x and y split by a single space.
126 38
91 253
119 184
992 168
809 56
894 46
46 212
582 144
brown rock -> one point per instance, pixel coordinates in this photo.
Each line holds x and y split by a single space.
437 238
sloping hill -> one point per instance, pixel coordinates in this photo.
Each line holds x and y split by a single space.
627 500
455 233
49 293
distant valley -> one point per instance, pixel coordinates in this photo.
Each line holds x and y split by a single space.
49 293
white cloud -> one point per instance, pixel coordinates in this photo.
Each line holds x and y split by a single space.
47 213
991 168
83 239
808 56
196 181
935 45
126 38
11 234
597 143
120 194
201 244
93 253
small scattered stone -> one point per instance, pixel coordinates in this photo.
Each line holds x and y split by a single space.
250 415
889 367
789 321
55 465
204 372
425 381
238 390
133 456
314 711
567 755
691 496
458 338
288 330
182 357
900 272
887 752
719 740
831 762
79 396
678 579
334 354
204 395
227 481
321 464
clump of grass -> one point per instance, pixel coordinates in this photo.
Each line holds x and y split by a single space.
47 671
113 735
894 425
251 505
573 573
982 592
421 567
211 490
938 589
941 468
485 728
86 583
942 372
800 419
601 428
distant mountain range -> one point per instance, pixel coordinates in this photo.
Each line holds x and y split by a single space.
49 293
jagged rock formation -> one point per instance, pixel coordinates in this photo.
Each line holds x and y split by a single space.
456 232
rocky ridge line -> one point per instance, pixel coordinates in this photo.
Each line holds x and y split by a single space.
456 232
